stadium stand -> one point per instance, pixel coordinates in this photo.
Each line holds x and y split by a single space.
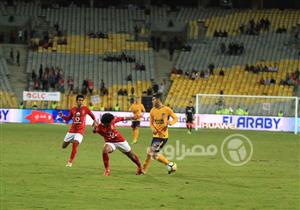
94 44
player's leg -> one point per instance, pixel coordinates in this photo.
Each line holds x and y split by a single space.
152 153
191 124
188 126
135 131
75 143
126 149
148 160
65 145
67 140
157 147
107 148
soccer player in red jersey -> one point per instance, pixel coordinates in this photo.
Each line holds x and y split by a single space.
75 134
114 140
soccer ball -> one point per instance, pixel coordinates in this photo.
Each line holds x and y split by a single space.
172 167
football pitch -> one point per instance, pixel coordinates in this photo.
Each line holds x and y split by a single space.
33 173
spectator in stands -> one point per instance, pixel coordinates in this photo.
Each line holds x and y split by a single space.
132 91
222 73
157 43
90 86
45 84
33 75
52 79
170 23
41 72
187 74
54 105
20 36
103 89
193 75
84 87
180 71
136 32
61 86
202 74
161 88
34 105
12 59
211 68
91 106
220 101
129 77
12 37
186 48
36 84
267 81
171 50
242 28
222 47
117 108
262 81
21 105
120 92
206 74
102 109
155 88
174 70
281 30
18 57
70 85
247 67
153 40
280 113
282 82
272 81
149 91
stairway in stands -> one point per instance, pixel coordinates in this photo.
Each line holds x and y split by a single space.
17 74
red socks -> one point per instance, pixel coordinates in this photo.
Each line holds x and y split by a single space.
105 160
74 151
134 159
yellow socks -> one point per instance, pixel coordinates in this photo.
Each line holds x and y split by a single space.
162 159
147 163
135 134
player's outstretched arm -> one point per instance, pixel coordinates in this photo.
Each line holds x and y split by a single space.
130 118
60 114
66 118
174 118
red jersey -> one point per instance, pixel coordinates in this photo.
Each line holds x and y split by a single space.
78 116
110 134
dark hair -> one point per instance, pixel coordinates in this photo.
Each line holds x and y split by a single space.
158 96
107 118
79 96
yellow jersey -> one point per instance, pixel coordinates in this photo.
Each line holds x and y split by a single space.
137 109
159 121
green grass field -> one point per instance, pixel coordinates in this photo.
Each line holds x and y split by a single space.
34 176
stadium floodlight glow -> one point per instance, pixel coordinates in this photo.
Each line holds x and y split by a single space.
259 107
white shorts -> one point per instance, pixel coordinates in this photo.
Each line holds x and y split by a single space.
73 136
122 146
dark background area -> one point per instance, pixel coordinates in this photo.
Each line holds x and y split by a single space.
177 3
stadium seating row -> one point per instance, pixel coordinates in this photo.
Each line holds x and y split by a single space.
247 84
269 46
232 22
84 44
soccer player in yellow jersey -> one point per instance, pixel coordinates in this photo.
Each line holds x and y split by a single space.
159 122
138 109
